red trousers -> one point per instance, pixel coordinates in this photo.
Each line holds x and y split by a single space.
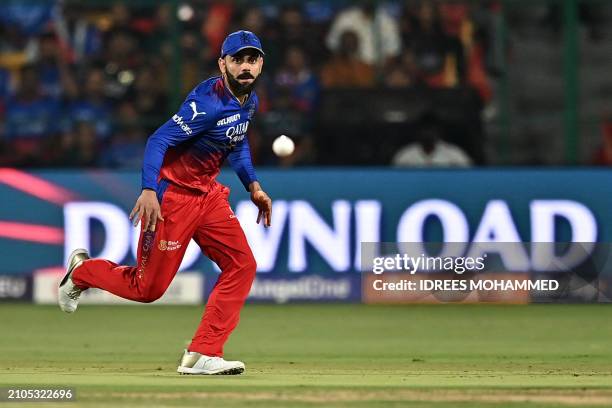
209 220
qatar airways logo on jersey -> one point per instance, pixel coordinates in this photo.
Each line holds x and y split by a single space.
181 123
236 133
228 120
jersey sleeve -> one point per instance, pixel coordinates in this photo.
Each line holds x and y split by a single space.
240 160
192 119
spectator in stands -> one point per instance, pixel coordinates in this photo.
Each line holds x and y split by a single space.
295 74
459 24
31 122
294 30
15 47
79 146
439 58
29 18
293 27
283 118
148 98
376 30
120 18
127 147
294 98
402 73
190 64
93 106
124 53
216 23
254 20
430 150
56 79
82 34
346 69
159 41
122 59
48 56
194 55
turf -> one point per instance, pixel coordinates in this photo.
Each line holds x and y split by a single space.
319 355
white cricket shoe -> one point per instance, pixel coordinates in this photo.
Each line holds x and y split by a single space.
196 363
67 293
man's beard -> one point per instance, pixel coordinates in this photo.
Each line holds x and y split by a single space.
236 87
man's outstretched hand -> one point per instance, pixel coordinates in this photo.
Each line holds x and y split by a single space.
147 208
263 203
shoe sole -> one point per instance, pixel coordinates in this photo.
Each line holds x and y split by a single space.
192 371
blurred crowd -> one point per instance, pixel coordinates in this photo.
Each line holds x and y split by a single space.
84 84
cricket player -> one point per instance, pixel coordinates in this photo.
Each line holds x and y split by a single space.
181 200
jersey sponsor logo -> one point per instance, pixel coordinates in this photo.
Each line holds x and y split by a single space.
228 120
236 133
181 123
194 108
168 245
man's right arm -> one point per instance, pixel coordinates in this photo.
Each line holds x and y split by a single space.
179 128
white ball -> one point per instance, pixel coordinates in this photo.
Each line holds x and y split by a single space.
283 146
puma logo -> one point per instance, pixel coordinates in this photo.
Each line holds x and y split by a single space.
194 108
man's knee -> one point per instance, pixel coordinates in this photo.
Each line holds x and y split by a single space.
248 263
252 263
245 265
151 294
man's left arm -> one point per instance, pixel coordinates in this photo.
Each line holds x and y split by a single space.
240 160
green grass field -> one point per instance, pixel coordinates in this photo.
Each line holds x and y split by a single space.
319 355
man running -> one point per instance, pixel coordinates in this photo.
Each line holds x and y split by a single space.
181 200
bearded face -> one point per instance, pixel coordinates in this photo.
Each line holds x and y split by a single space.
239 85
242 70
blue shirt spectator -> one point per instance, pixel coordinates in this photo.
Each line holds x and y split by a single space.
31 118
125 152
296 76
31 121
97 113
31 17
93 106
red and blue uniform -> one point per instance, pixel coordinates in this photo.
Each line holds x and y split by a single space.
182 160
190 147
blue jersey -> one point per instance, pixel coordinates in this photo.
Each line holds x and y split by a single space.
189 149
35 119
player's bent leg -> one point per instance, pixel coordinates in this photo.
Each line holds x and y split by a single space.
159 254
145 282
